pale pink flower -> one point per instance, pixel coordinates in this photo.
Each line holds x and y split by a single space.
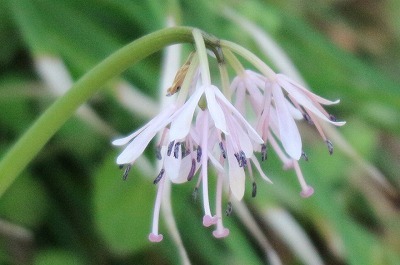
276 104
185 146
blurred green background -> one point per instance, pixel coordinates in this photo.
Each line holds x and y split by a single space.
70 206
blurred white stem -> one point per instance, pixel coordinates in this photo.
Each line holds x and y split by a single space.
246 218
135 101
53 72
293 235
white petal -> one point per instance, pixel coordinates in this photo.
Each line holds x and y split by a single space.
310 94
235 173
297 115
289 134
252 133
157 119
303 100
255 95
172 167
244 140
180 126
214 108
136 147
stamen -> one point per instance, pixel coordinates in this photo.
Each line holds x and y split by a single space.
171 144
222 148
192 169
199 154
154 236
126 172
304 156
120 166
158 152
184 150
330 146
159 177
254 190
221 231
243 158
308 119
306 190
238 159
264 155
332 118
176 150
229 209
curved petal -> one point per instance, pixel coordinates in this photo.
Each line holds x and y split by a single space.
181 124
134 149
252 133
244 140
235 173
304 100
214 108
310 94
157 119
297 115
289 134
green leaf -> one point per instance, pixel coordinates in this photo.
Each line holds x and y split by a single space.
25 203
57 257
122 209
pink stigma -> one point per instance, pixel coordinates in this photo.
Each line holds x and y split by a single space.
208 220
155 238
307 192
221 234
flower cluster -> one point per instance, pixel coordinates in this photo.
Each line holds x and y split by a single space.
207 128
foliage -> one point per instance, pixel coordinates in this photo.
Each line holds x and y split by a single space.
76 209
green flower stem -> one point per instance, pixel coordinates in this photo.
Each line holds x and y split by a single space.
61 110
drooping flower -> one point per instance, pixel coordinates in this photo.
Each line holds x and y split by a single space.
203 130
277 103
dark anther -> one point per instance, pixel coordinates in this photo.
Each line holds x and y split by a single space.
184 150
308 118
264 155
229 209
243 158
304 156
158 152
332 118
121 166
199 151
254 190
330 146
238 159
195 193
176 149
171 144
221 147
126 172
159 177
192 169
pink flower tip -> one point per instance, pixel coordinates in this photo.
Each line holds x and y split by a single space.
155 238
221 233
307 192
208 220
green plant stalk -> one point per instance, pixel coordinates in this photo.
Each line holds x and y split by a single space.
62 109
